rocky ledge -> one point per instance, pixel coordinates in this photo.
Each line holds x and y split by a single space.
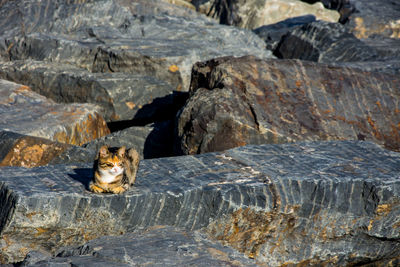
333 203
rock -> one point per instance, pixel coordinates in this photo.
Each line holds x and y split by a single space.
272 34
159 246
239 101
27 151
324 42
318 203
28 113
152 141
375 17
140 53
253 14
121 95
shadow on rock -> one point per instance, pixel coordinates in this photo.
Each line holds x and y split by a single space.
82 175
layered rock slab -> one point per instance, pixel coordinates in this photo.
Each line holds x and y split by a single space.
239 101
322 202
130 53
28 113
158 246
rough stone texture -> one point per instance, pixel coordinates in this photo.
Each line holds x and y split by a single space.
116 53
160 246
375 17
324 42
333 203
239 101
251 14
26 112
121 95
27 151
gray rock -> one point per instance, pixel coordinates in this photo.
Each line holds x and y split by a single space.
28 113
160 246
239 101
322 202
129 53
324 42
375 17
272 34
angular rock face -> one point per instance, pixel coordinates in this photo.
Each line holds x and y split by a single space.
324 42
119 54
322 203
255 13
239 101
26 112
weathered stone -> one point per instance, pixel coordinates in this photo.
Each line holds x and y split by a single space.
120 94
272 34
159 246
255 13
375 17
27 151
131 40
26 112
322 202
239 101
324 42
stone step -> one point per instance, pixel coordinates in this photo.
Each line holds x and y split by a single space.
321 202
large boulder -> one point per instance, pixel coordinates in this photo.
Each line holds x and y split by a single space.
251 14
119 54
324 42
318 203
26 112
375 17
239 101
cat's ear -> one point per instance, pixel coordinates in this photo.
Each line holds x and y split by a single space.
121 151
103 152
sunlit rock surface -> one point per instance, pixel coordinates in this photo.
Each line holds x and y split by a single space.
322 202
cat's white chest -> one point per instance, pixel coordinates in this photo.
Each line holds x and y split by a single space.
107 176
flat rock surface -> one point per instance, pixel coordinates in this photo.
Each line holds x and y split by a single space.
119 54
160 246
26 112
238 101
319 202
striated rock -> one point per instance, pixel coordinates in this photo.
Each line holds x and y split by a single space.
239 101
375 17
121 95
332 203
27 151
28 113
255 13
324 42
159 246
117 44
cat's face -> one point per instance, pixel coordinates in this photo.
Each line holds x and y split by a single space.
109 163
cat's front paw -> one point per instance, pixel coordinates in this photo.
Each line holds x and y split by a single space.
118 190
94 188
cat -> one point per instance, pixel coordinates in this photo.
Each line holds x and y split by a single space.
114 171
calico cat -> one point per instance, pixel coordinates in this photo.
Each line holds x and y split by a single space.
114 171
